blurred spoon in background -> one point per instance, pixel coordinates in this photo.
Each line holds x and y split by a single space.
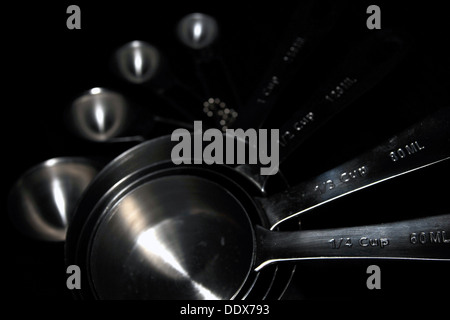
42 201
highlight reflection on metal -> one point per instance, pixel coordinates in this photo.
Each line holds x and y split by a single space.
203 246
390 241
197 30
427 144
175 235
171 236
99 114
156 250
60 202
137 61
42 200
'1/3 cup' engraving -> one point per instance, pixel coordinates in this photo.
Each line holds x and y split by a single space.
324 186
363 242
429 237
344 177
409 149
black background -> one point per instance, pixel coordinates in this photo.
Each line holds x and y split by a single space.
45 66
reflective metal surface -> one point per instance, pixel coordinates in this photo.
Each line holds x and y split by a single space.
99 115
137 61
176 237
152 232
197 30
42 201
424 144
141 163
419 239
184 237
146 229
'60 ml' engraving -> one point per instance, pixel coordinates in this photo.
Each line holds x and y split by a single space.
429 237
409 149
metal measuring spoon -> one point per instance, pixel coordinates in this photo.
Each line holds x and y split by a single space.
42 201
200 33
100 115
140 63
103 115
308 27
197 30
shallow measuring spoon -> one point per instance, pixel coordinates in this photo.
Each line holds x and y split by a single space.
200 33
309 25
42 200
104 115
140 63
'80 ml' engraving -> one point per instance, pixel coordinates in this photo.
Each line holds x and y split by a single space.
409 149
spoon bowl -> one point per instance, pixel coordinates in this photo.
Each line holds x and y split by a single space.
99 115
137 61
43 199
197 30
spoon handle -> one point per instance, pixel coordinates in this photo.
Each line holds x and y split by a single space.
364 66
424 144
418 239
367 63
308 27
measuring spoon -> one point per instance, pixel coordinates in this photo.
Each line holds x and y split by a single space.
103 115
200 33
141 63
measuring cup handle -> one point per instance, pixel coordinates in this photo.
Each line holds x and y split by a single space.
418 239
422 145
